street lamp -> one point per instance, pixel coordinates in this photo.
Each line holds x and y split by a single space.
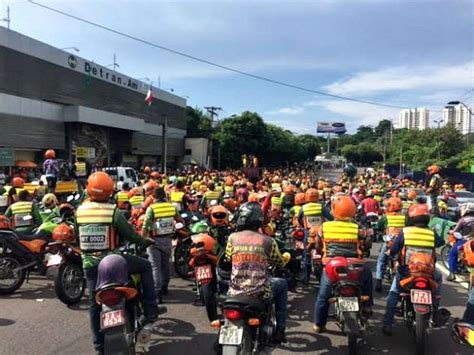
73 48
451 104
438 122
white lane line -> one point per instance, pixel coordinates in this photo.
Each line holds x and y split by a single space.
459 279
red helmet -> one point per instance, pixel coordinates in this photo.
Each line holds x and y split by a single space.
433 169
150 187
340 268
50 154
312 195
18 182
63 233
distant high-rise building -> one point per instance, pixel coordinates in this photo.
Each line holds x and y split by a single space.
459 116
416 118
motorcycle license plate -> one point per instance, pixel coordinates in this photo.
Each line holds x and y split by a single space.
54 260
112 319
299 244
230 335
420 296
203 272
315 255
348 304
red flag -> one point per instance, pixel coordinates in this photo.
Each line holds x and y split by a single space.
149 96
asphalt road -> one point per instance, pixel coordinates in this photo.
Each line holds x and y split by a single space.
34 321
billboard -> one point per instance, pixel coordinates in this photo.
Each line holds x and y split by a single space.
331 127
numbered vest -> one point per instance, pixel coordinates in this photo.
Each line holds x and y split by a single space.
312 214
211 196
164 213
21 210
137 201
4 200
95 225
229 190
340 239
176 198
276 186
81 169
122 199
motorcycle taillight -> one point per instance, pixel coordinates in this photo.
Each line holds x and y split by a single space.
421 283
299 234
232 314
108 297
347 291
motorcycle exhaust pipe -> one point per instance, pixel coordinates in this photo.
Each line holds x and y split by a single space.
26 266
143 337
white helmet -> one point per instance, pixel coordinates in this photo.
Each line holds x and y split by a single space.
467 208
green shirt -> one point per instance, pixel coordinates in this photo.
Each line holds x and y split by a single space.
37 220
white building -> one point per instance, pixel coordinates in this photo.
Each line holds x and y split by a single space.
416 118
459 116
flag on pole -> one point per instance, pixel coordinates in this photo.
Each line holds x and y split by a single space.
149 96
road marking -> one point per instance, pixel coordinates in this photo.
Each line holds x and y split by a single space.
459 279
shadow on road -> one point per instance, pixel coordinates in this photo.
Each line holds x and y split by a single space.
6 322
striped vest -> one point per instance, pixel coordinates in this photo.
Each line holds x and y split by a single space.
122 199
95 224
20 210
81 169
340 239
164 213
211 196
312 214
137 201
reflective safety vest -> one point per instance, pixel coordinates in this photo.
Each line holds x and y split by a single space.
419 237
122 199
211 196
137 201
341 239
176 198
378 198
95 224
219 189
312 214
276 186
277 201
407 204
20 210
164 213
81 169
395 220
229 190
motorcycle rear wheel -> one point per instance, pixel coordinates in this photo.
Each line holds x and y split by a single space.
180 263
445 250
70 284
209 298
8 263
420 332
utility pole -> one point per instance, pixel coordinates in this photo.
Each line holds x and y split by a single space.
329 142
391 132
213 111
384 147
7 19
164 145
401 159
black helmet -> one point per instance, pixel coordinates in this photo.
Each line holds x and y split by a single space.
249 216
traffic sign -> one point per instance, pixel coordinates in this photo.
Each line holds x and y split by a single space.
7 157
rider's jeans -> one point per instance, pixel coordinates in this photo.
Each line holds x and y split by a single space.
394 296
321 307
381 262
159 256
280 295
136 265
468 316
453 255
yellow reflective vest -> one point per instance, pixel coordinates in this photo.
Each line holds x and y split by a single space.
164 213
176 198
340 238
122 199
395 220
418 237
137 201
312 214
211 196
20 210
95 225
277 201
81 169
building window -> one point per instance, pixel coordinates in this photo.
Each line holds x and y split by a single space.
188 152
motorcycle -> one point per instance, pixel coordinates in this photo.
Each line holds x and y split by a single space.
446 249
348 299
122 316
371 224
391 268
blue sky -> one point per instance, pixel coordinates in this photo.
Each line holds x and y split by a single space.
410 53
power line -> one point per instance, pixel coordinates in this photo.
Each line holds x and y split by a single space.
205 61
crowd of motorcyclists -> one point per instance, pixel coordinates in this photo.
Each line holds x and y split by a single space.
260 235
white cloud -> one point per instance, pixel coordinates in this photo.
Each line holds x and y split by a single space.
405 78
297 110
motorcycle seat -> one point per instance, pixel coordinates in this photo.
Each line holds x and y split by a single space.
248 302
35 246
128 292
27 236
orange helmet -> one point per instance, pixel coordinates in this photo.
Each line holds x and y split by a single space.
63 233
5 222
209 243
254 197
229 181
311 195
469 253
394 204
433 169
133 192
343 208
300 198
290 189
219 216
50 154
146 170
395 193
411 195
418 214
230 204
155 175
150 187
18 182
100 186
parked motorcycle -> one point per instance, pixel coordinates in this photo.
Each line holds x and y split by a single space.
446 249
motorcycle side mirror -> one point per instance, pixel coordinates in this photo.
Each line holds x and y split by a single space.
195 219
77 197
213 203
179 226
184 215
70 198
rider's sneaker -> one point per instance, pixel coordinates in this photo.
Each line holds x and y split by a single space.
319 328
378 286
280 336
387 330
451 277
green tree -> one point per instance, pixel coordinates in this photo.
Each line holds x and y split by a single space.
198 124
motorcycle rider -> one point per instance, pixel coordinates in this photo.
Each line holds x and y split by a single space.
51 169
251 253
434 186
341 237
24 214
392 222
465 228
159 221
102 220
49 206
415 237
369 204
210 195
410 200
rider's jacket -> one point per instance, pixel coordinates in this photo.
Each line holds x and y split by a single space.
312 212
20 210
122 199
176 198
251 254
163 214
340 238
